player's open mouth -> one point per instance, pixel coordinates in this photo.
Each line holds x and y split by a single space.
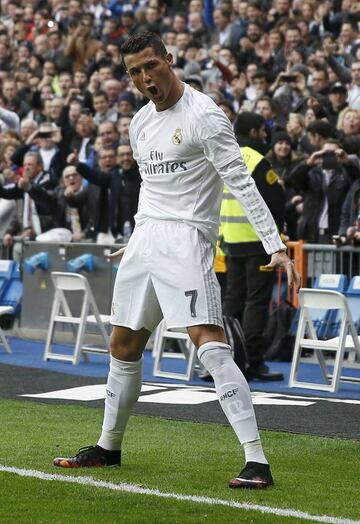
153 90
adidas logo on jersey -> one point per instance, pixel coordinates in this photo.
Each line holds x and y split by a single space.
142 136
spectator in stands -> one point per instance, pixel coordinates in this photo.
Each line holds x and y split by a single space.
323 180
349 129
112 88
337 98
126 103
295 126
283 159
13 100
349 230
222 21
103 200
130 185
290 91
65 83
267 108
83 141
228 109
109 136
7 149
349 35
345 74
46 140
34 218
81 46
122 127
103 112
318 132
76 220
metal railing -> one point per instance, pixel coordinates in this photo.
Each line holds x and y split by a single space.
312 260
331 259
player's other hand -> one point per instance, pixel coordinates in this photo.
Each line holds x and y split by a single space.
117 254
281 259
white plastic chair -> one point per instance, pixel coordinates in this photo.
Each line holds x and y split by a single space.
348 340
61 313
188 351
5 310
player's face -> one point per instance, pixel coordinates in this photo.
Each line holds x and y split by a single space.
153 77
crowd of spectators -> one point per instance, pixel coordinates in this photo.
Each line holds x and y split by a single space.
66 103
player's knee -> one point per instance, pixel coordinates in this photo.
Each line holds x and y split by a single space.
124 346
205 333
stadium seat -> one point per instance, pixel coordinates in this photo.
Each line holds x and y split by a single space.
13 290
311 300
65 283
6 270
336 282
5 310
188 351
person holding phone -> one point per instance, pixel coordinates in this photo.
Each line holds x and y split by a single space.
323 179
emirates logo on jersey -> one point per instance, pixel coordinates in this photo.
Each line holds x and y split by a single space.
177 137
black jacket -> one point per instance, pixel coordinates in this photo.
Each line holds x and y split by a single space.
309 181
12 192
119 192
57 204
350 208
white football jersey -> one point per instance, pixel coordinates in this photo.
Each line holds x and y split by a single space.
184 154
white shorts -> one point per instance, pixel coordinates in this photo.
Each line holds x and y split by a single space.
167 271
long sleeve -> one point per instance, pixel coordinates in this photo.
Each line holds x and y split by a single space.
225 156
10 118
95 176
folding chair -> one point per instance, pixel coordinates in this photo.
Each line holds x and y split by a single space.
5 310
306 337
61 313
326 322
188 351
353 297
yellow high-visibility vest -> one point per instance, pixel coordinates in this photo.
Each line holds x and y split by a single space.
235 227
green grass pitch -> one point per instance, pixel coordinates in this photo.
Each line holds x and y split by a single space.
319 476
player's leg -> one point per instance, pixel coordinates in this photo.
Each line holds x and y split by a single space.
134 314
122 391
189 296
234 396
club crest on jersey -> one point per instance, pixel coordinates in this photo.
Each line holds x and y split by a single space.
177 137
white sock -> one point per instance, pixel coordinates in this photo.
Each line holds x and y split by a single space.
254 452
234 396
122 391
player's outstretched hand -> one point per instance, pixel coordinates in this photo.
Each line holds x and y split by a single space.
118 254
282 260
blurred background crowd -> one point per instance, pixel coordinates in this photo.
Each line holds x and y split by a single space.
66 166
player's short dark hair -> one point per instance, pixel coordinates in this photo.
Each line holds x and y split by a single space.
141 41
246 121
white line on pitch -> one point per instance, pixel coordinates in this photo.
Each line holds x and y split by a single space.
138 490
